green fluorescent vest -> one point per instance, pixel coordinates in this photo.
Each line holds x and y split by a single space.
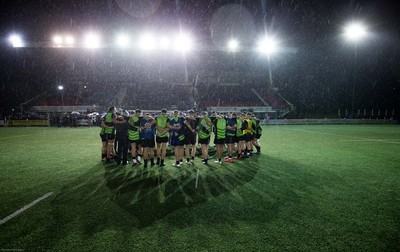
162 122
203 128
134 134
108 120
221 129
239 131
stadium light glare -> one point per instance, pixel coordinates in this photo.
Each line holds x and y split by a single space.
147 42
268 45
123 41
92 40
60 87
164 43
355 32
16 41
183 43
58 40
69 40
63 40
233 45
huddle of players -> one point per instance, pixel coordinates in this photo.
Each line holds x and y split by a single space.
141 134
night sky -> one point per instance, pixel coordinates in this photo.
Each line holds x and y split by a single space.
316 77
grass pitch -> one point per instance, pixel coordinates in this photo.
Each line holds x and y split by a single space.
312 188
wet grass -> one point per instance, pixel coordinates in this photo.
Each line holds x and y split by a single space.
312 188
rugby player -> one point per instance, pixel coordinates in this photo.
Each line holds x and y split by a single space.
248 134
220 135
204 129
109 132
175 125
134 135
190 137
230 135
147 138
162 136
257 131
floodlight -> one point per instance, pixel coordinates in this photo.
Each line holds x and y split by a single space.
355 32
92 40
268 45
69 40
183 43
60 87
147 42
16 41
123 41
164 43
63 40
58 40
233 45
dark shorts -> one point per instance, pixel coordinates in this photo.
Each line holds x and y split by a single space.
176 142
103 137
219 141
121 137
248 137
190 138
134 141
110 136
148 143
230 139
239 139
258 136
204 140
161 139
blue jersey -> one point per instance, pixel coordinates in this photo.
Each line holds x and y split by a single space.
230 122
176 121
147 133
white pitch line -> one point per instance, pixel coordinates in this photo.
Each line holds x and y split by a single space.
24 208
373 140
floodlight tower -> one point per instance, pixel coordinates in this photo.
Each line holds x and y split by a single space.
183 43
16 40
354 33
63 40
61 88
123 41
268 45
233 45
92 41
